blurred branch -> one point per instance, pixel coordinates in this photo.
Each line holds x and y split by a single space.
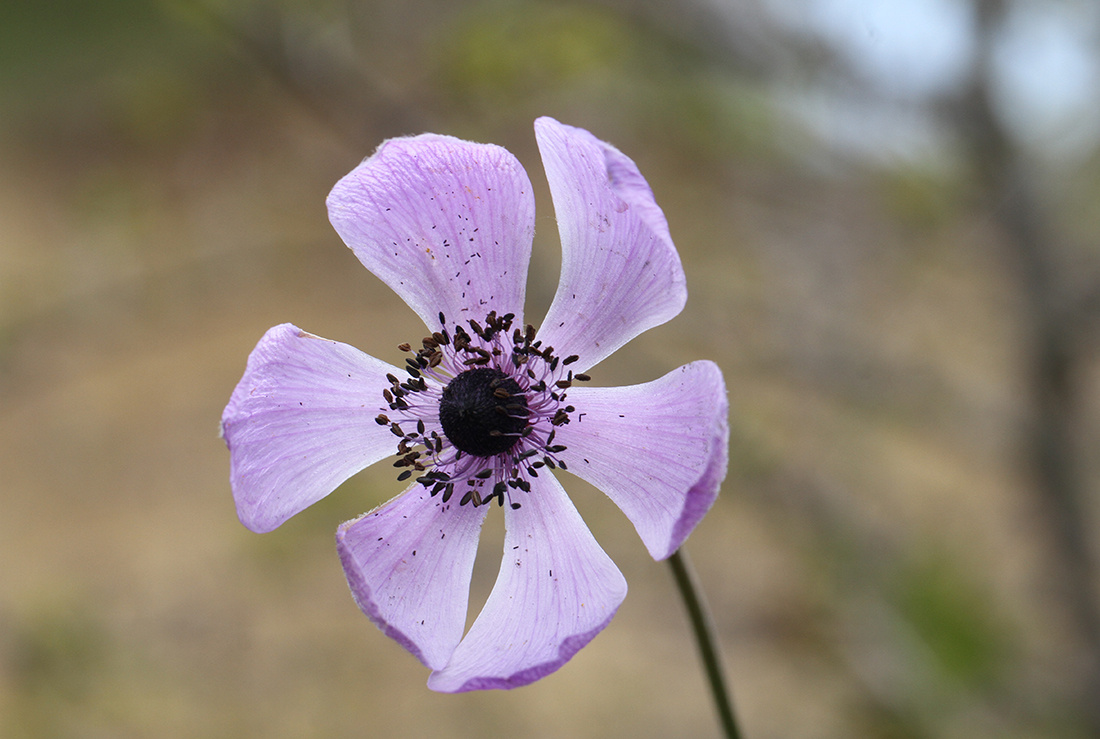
335 91
734 36
1086 315
1053 354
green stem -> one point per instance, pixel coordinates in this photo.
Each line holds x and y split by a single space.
703 627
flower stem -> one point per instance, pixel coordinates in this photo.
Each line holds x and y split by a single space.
703 626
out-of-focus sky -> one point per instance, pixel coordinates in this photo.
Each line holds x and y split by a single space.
1046 66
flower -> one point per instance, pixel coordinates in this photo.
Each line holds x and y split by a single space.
485 408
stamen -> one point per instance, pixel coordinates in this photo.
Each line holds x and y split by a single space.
486 400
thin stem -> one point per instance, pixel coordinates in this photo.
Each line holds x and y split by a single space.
703 626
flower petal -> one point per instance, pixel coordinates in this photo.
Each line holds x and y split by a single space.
300 422
446 223
556 590
409 564
658 450
620 272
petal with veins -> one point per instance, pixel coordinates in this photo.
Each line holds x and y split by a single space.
556 590
620 272
409 564
447 224
300 422
658 450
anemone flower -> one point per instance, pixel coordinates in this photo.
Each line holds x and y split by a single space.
487 409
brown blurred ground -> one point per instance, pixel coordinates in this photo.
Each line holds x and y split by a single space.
874 563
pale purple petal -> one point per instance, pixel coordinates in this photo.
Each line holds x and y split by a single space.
658 450
620 272
556 590
409 564
300 422
446 223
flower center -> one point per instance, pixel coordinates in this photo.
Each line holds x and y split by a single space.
483 411
479 410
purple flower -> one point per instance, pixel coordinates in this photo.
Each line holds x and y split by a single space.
485 409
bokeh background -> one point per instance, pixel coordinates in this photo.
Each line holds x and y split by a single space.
889 216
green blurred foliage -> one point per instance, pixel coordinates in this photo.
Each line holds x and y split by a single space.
923 200
121 71
499 53
530 55
57 659
956 619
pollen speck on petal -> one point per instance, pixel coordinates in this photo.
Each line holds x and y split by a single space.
421 205
295 424
411 582
664 461
534 622
620 273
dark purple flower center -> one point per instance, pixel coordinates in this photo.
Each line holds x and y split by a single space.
483 412
485 424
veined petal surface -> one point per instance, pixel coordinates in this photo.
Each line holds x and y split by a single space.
659 450
409 564
446 223
300 422
556 590
620 272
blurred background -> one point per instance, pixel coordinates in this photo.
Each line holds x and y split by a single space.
889 216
